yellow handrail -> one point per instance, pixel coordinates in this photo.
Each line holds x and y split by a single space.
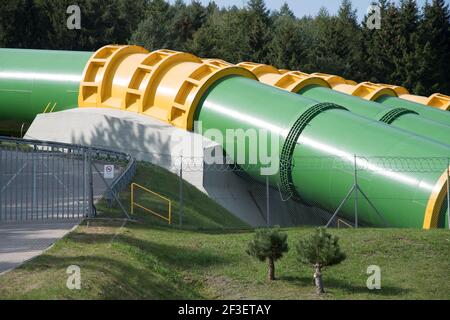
133 204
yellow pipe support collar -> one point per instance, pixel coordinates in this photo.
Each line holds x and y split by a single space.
333 80
399 90
366 90
435 202
163 84
437 100
292 81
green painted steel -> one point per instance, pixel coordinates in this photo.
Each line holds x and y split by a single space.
315 142
322 171
397 117
431 113
32 79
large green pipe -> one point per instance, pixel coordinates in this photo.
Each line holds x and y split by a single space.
434 114
398 117
318 131
33 80
308 131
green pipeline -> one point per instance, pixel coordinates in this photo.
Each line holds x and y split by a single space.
321 141
315 141
397 117
34 81
434 114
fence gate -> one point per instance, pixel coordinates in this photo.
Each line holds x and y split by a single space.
46 180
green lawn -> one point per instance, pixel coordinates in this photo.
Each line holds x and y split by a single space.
206 259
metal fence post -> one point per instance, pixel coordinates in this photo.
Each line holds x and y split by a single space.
181 191
356 192
267 202
1 183
34 178
85 197
90 186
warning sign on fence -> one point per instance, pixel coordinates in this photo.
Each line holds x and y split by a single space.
108 171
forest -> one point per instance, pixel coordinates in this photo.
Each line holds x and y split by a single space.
411 48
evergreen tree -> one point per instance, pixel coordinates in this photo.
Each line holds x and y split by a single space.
319 250
24 24
270 245
378 51
257 25
286 48
435 40
186 21
222 36
407 56
154 32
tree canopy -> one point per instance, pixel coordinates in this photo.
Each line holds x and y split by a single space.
411 49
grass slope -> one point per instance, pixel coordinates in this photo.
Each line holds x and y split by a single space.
150 260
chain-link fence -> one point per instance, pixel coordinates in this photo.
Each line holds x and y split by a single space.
44 180
47 180
341 191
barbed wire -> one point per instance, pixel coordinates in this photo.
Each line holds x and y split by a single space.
296 164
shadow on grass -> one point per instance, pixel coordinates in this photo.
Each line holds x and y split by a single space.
176 256
122 279
145 221
332 283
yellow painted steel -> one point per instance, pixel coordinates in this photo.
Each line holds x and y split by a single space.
163 84
133 203
292 81
437 100
434 205
333 80
366 90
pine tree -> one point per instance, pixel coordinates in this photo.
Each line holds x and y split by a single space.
319 250
257 25
222 36
347 41
154 32
435 41
187 20
407 58
270 245
378 52
286 48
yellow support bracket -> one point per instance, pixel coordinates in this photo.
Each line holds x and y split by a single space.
437 100
164 84
292 81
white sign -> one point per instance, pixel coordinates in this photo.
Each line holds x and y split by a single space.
108 171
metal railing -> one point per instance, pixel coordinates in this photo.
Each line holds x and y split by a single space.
43 180
133 203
